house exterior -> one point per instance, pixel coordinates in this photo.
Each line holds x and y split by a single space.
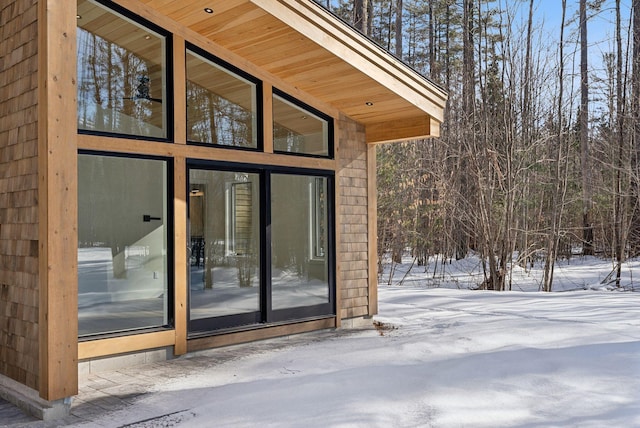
177 176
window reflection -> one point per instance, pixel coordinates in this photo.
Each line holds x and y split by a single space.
300 270
297 130
121 74
122 244
221 105
225 243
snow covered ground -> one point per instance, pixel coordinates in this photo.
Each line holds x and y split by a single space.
439 357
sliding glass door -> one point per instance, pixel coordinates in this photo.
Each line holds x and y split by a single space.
225 248
261 246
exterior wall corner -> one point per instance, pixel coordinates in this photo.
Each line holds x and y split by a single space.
354 217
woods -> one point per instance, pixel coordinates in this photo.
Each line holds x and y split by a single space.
539 155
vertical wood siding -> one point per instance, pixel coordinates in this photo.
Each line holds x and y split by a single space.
18 192
352 250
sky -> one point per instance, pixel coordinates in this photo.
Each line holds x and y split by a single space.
441 357
600 26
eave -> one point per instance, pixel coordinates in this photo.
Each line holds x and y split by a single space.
307 47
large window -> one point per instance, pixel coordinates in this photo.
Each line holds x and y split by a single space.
221 104
261 245
122 74
123 249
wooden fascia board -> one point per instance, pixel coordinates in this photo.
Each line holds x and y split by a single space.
402 130
330 33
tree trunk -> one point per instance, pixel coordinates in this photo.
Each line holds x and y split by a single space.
587 231
361 15
553 233
468 120
619 239
399 28
635 117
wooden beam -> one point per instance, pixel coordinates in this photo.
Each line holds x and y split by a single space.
336 216
399 130
181 262
372 229
109 144
124 344
57 200
435 128
259 334
267 108
180 198
180 91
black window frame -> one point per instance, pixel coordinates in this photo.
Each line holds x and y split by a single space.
169 89
247 76
330 126
170 225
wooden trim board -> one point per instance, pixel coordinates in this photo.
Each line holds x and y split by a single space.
57 200
124 344
199 344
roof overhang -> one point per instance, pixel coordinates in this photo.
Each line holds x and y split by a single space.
304 45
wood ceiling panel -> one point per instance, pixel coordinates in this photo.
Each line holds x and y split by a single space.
288 66
244 17
180 11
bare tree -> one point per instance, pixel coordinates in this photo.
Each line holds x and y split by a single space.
557 198
361 15
635 117
619 198
587 231
398 47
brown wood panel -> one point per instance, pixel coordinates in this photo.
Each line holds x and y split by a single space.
123 145
267 108
404 129
120 345
180 90
259 334
181 264
58 277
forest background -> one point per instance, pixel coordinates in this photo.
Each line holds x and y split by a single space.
538 158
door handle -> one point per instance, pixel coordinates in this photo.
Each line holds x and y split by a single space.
147 218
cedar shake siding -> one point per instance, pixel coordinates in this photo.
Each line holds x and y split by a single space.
352 220
19 192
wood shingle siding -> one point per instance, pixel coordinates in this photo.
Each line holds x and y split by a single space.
19 294
352 249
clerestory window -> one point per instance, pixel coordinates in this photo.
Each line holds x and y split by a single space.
122 74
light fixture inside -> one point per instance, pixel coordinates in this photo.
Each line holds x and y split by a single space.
208 10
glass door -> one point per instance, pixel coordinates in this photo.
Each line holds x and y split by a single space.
224 265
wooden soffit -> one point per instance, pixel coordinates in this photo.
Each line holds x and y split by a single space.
307 47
